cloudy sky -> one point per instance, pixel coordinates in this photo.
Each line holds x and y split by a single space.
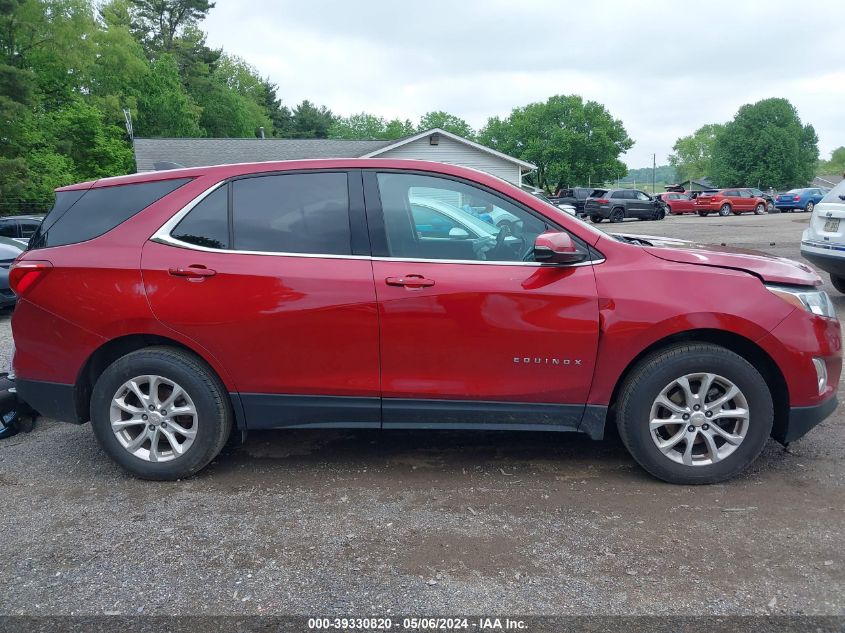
663 68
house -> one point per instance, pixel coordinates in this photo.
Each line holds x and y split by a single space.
702 184
434 145
827 181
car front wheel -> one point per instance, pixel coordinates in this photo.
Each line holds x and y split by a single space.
703 214
695 413
760 209
617 215
838 283
160 413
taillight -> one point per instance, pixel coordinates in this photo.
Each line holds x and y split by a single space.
796 198
603 201
23 275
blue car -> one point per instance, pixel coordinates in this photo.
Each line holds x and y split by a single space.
804 199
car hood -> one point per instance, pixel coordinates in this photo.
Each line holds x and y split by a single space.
769 268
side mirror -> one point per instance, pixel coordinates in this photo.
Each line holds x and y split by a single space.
457 233
557 248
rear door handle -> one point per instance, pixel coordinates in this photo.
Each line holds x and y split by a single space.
410 281
194 271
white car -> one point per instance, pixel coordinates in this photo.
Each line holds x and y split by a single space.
823 243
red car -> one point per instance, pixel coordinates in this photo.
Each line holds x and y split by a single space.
728 201
678 202
174 308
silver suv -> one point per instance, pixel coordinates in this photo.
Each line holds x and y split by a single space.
823 243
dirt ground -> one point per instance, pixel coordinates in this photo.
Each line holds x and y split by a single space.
378 523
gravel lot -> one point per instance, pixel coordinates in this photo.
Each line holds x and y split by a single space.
337 522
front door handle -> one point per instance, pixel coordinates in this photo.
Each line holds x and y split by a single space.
410 281
194 271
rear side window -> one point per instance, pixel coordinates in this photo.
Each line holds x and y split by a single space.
207 224
8 228
292 213
96 211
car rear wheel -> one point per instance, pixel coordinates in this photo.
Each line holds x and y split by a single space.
160 413
810 206
617 215
725 210
695 413
838 283
760 209
595 219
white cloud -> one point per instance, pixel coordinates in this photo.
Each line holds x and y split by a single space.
664 68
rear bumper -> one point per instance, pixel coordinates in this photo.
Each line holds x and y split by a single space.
803 419
50 399
829 257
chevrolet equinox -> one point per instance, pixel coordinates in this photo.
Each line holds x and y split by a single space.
174 308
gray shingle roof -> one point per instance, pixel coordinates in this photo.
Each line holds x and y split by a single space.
197 152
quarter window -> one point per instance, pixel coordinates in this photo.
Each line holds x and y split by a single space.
428 217
207 224
292 213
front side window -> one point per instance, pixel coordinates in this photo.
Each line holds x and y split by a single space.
427 217
642 196
28 228
292 213
207 224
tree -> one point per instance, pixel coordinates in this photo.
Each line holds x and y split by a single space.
310 121
693 153
164 107
446 121
570 141
157 22
765 145
370 126
836 164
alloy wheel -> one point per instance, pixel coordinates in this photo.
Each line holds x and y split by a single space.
699 419
725 210
810 207
153 418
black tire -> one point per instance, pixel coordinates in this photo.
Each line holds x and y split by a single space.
209 395
654 373
659 214
770 206
595 219
703 214
725 210
617 215
760 209
810 206
838 283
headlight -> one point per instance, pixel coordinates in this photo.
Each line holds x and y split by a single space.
815 301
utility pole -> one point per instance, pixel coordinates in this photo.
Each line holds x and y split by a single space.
653 172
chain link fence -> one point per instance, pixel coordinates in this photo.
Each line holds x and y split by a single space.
24 207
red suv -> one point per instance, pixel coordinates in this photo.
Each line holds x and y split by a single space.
173 308
727 201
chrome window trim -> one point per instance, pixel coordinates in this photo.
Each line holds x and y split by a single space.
163 236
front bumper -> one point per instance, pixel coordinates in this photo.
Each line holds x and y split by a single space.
803 419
